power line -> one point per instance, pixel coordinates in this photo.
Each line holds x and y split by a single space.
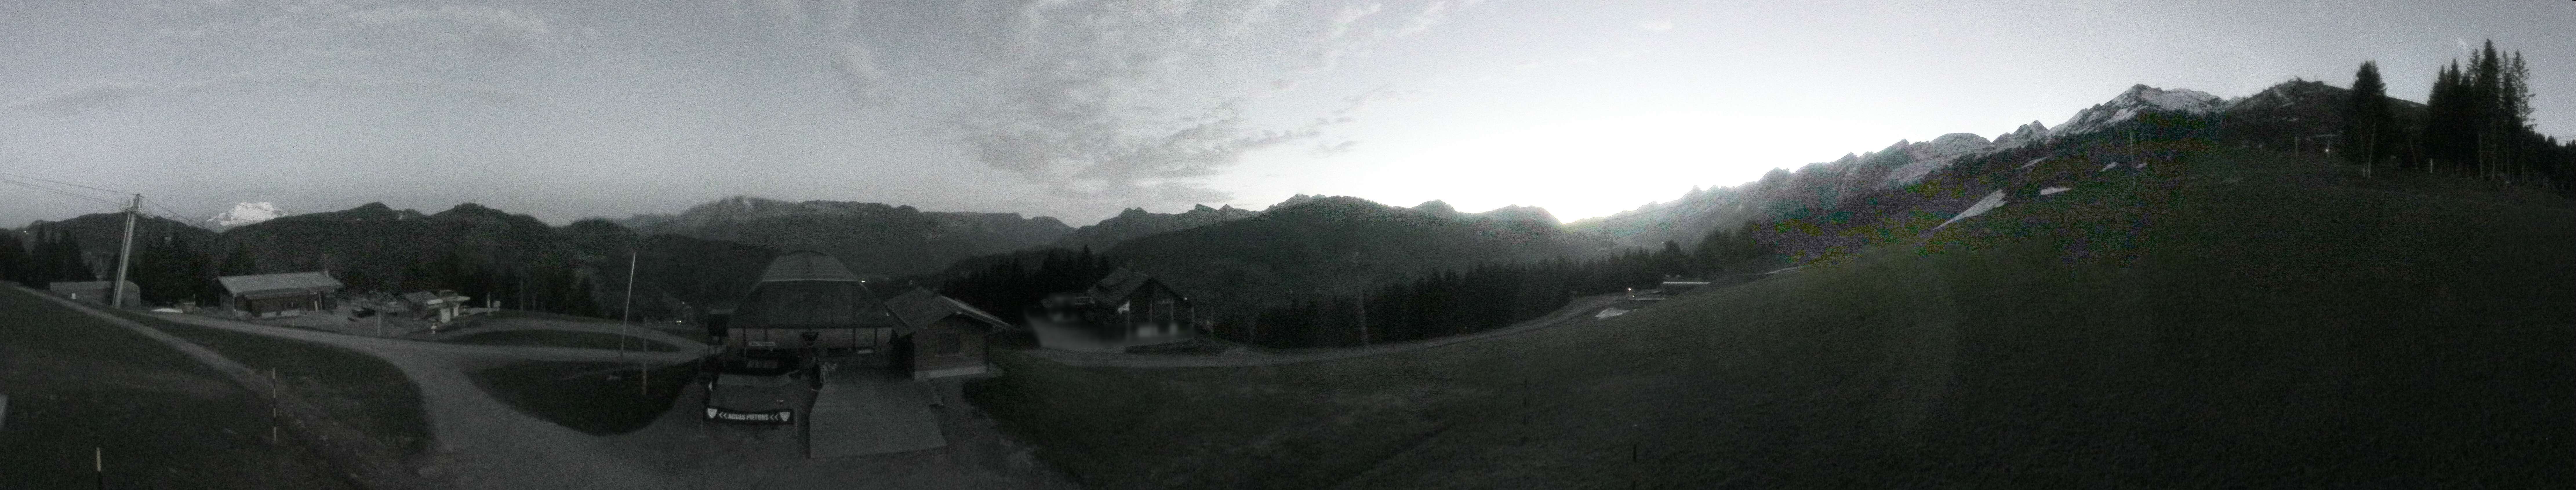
173 216
117 192
64 193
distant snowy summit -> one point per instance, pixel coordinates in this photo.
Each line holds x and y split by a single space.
2141 98
245 213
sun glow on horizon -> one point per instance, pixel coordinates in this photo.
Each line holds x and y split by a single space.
1592 167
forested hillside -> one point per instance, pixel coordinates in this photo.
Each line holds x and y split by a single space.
2475 124
1137 223
872 238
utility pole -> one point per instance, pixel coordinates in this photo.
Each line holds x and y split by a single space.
125 256
627 313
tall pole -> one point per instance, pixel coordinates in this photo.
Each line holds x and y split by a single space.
627 313
125 255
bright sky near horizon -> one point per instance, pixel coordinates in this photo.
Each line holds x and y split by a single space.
1080 108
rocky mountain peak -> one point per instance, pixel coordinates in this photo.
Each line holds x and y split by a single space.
245 213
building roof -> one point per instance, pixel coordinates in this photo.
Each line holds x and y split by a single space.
807 266
1119 284
920 307
273 285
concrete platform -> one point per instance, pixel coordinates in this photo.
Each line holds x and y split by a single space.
870 413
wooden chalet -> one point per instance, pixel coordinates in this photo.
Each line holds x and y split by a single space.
1126 305
943 337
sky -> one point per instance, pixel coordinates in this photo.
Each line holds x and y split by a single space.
1078 109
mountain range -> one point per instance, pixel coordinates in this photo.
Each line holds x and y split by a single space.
1918 181
1304 245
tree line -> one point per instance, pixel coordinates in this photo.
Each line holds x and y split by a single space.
165 270
1435 303
2475 123
1490 296
1014 285
172 269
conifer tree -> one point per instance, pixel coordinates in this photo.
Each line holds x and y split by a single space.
59 260
239 263
2486 91
15 263
2366 118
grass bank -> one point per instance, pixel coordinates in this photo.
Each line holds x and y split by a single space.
2235 319
599 398
354 388
157 418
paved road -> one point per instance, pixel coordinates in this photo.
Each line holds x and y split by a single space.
1578 311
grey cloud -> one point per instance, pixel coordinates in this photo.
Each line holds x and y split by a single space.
75 100
858 66
1132 97
361 28
1104 98
106 94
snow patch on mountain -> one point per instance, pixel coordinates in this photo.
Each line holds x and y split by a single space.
2139 99
1989 203
245 213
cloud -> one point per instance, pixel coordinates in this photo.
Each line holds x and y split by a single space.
75 100
440 33
1102 99
858 67
107 94
1655 25
1114 97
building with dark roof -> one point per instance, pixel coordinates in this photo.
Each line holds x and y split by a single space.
808 300
287 294
942 336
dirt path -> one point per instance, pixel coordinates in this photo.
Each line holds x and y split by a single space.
1579 310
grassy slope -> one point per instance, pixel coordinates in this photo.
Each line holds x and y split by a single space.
562 338
356 389
161 420
583 396
2168 329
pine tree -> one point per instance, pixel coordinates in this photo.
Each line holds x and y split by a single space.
2513 112
2486 90
59 260
239 263
14 259
578 300
2366 118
